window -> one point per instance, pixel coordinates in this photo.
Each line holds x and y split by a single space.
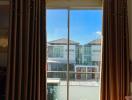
58 51
72 64
87 60
87 50
55 51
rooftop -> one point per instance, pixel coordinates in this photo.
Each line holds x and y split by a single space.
63 41
94 42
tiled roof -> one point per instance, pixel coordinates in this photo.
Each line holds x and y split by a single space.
62 41
95 42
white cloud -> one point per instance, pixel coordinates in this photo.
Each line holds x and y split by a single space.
99 32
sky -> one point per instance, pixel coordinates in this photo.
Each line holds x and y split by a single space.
85 25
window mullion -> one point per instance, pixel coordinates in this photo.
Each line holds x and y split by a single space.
68 57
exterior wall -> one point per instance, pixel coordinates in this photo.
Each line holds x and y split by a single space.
78 54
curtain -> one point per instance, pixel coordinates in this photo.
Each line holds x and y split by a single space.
2 82
27 53
115 66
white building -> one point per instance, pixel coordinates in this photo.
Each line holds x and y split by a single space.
95 51
90 53
57 51
83 55
84 63
57 57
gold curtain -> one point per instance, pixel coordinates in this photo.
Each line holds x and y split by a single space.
115 66
27 56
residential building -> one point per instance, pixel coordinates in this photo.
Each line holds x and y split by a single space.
57 58
90 53
83 58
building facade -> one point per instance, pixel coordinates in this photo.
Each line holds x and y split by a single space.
83 59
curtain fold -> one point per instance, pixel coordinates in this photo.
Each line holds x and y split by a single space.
115 82
27 57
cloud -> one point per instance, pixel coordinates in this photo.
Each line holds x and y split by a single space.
99 32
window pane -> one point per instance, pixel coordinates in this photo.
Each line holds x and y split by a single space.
85 29
84 54
57 54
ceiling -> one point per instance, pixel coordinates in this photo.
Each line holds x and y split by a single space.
65 4
4 6
4 2
74 4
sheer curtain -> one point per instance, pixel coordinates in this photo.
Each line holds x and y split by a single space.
27 51
115 83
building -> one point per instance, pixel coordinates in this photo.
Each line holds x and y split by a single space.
57 58
90 53
84 63
83 58
88 60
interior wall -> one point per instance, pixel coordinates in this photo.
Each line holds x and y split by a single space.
73 4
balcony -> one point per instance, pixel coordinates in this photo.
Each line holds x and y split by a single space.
85 88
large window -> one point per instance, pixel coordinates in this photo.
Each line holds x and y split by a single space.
74 54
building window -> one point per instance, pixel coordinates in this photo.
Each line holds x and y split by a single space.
87 50
55 51
58 51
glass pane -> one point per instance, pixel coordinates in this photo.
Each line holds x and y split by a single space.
57 54
4 27
85 31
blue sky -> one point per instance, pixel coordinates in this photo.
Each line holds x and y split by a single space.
85 25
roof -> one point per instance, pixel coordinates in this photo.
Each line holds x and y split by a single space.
62 41
95 42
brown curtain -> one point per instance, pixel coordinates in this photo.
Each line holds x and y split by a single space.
115 65
27 57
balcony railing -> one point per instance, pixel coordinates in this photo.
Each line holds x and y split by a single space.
75 76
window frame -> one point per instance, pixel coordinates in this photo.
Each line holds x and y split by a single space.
51 5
